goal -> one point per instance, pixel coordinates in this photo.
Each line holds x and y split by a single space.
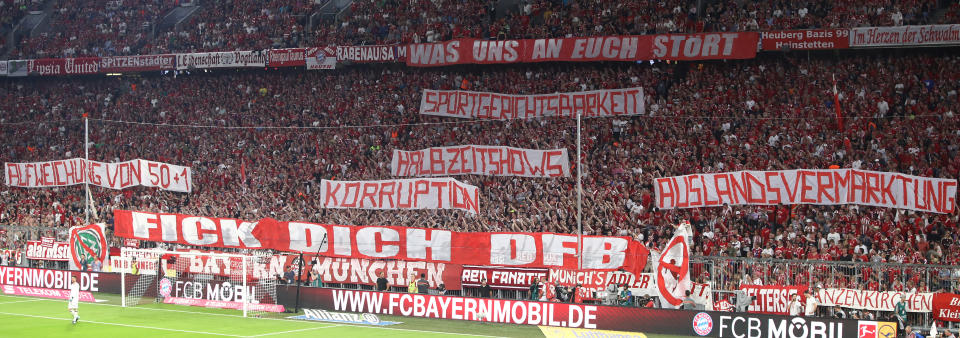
197 278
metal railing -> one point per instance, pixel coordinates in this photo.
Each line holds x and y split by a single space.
726 274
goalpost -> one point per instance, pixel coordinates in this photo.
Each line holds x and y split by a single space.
194 278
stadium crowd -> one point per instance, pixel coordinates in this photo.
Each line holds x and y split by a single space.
773 113
110 27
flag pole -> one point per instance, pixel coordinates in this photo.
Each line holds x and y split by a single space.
86 158
579 200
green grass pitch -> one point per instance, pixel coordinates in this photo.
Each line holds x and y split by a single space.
40 317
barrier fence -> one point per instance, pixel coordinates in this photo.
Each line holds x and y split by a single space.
727 273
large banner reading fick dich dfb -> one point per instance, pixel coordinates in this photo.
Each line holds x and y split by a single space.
386 242
822 187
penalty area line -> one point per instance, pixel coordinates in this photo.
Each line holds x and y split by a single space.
291 331
124 325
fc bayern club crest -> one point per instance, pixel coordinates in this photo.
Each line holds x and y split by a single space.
165 287
702 324
87 244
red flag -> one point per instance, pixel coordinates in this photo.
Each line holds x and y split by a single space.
836 104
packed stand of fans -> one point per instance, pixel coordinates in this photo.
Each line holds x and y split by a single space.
96 28
769 113
112 27
240 25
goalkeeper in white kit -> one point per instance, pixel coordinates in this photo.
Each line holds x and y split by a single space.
74 299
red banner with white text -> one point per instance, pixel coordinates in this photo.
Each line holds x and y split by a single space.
481 105
821 187
807 39
543 250
48 250
118 175
499 277
480 160
701 46
421 193
137 63
946 306
286 57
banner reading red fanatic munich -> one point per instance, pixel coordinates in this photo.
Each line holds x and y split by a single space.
821 187
808 39
480 160
286 57
946 306
702 46
421 193
137 63
387 242
483 105
498 277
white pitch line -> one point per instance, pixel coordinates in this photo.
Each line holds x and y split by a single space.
125 325
281 319
22 301
291 331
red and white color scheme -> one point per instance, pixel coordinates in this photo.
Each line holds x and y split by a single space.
899 36
702 46
49 279
220 304
49 251
287 57
480 160
807 39
85 296
321 58
772 299
499 277
672 269
946 306
822 187
374 53
423 193
137 63
875 300
496 106
108 175
87 242
387 242
237 59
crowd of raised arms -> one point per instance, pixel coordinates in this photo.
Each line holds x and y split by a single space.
773 112
127 27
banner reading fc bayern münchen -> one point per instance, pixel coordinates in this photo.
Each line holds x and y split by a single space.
822 187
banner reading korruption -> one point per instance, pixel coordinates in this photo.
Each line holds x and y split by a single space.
481 105
481 160
424 193
386 242
119 175
905 36
823 187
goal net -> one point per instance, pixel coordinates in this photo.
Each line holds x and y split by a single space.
195 278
